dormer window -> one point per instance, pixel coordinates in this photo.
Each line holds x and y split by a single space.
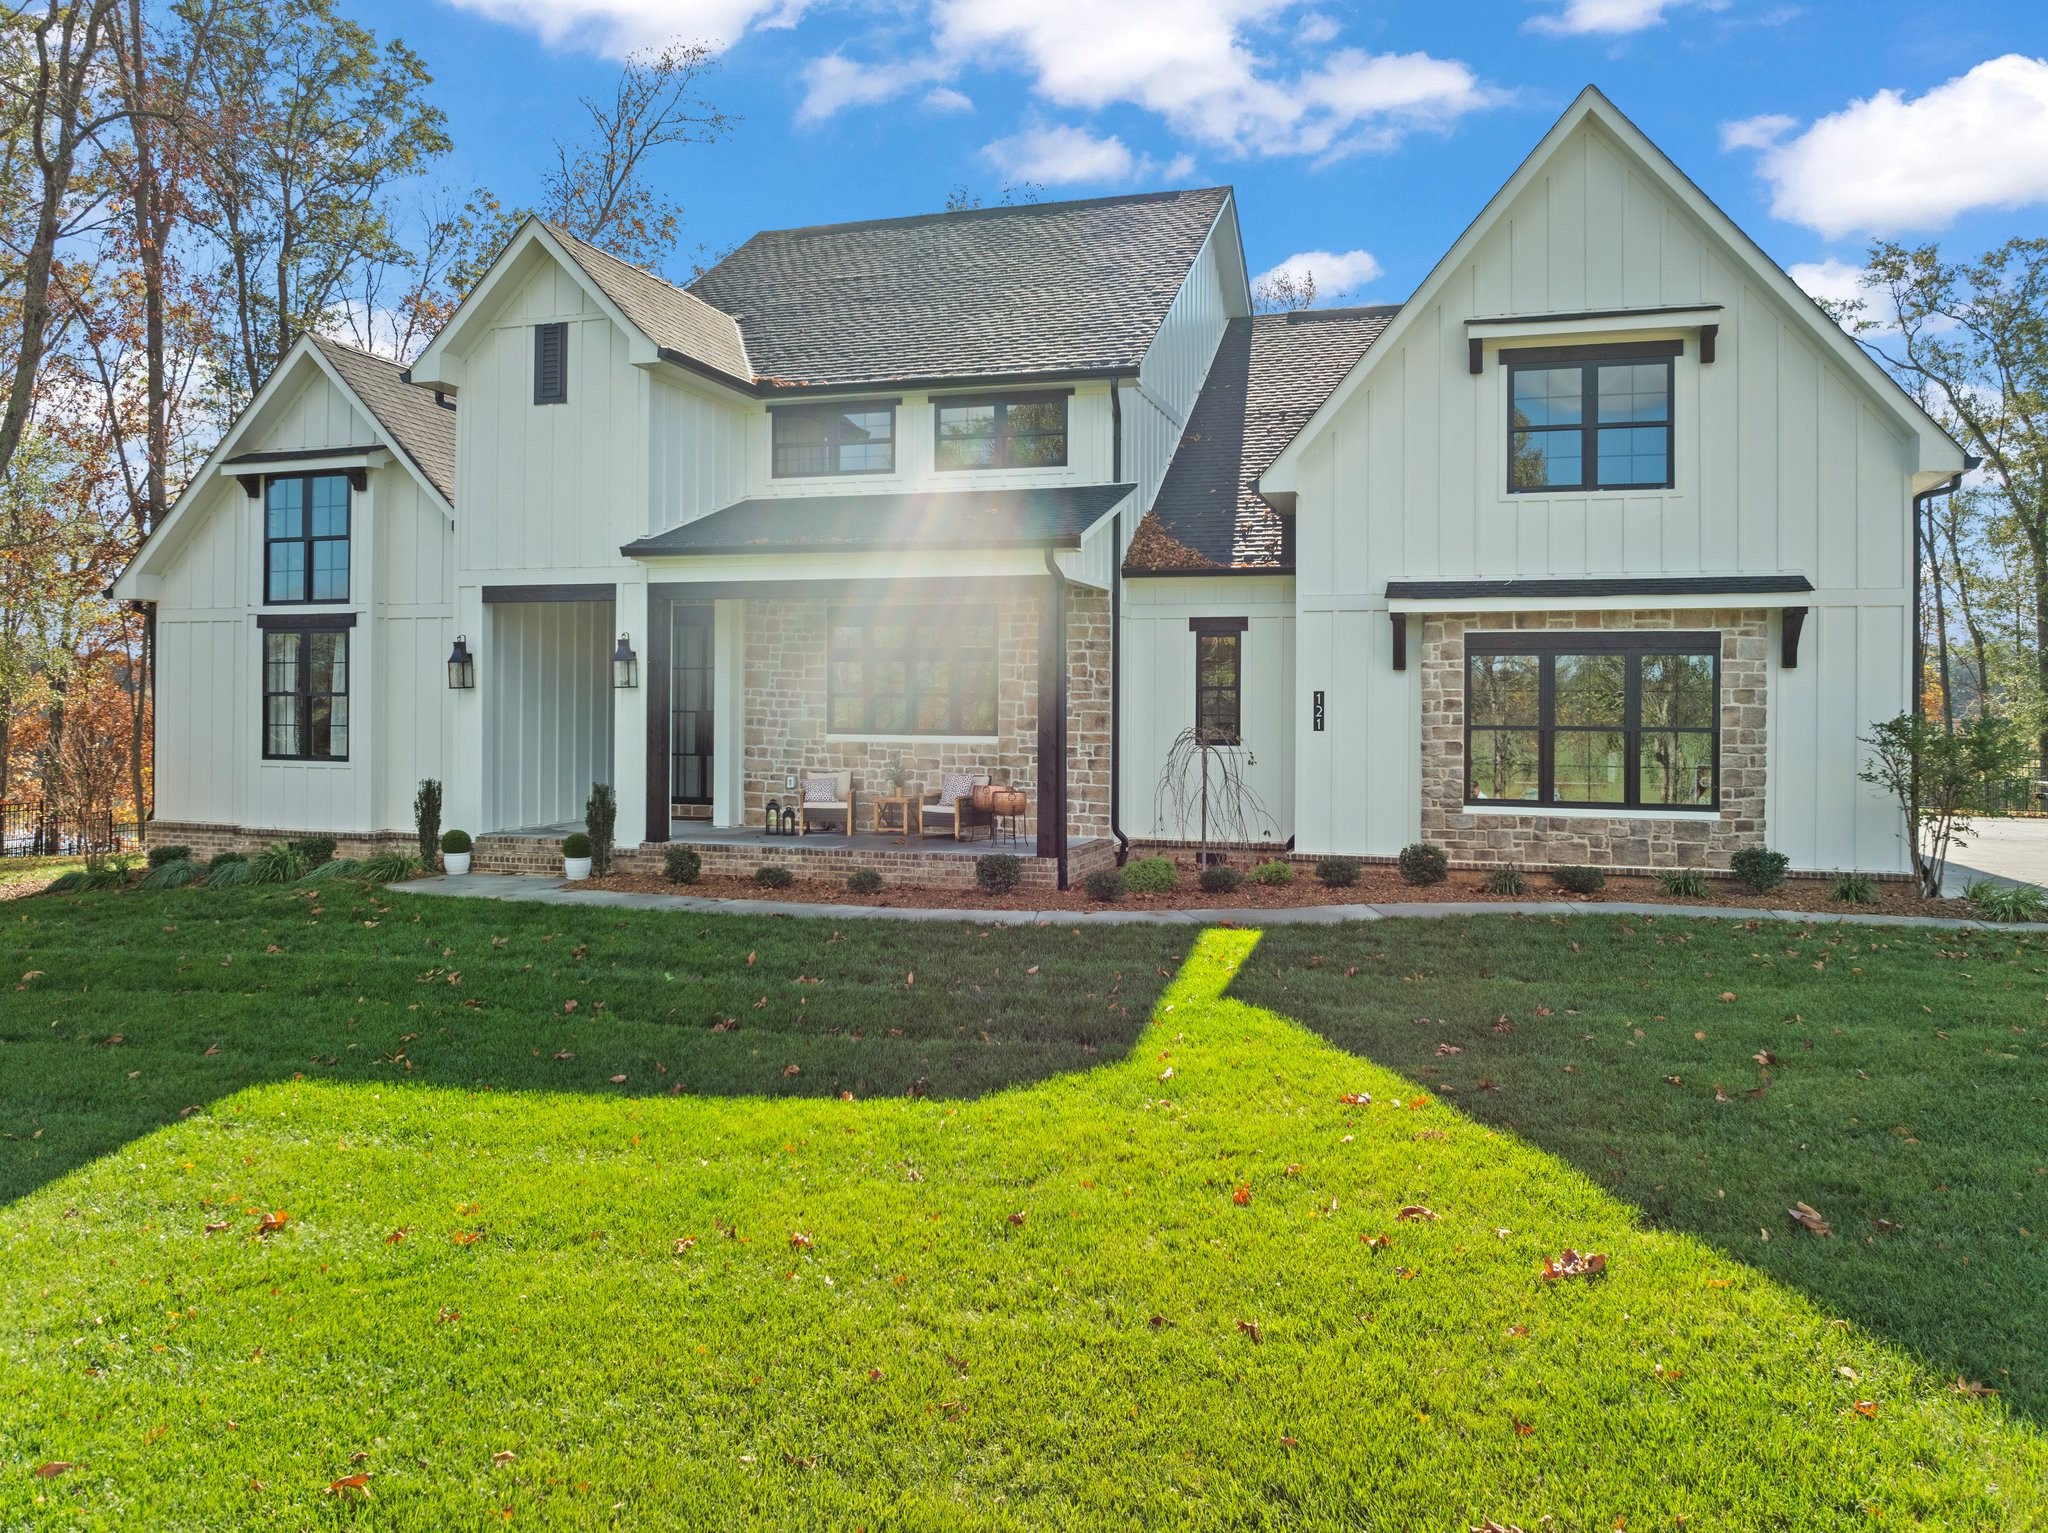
834 439
1590 417
1015 431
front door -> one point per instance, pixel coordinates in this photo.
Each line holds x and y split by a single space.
690 697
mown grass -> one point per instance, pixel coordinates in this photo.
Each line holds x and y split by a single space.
1185 1327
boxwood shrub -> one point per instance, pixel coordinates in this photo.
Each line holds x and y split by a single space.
576 844
1105 885
998 872
1220 879
1758 869
774 876
1422 863
863 880
681 865
1577 880
1338 872
455 841
1274 873
1151 875
159 855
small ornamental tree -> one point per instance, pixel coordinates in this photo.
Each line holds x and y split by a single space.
426 818
600 817
1203 780
1937 777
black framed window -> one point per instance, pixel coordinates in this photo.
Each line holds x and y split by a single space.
1021 431
305 694
1219 678
912 671
834 439
1590 418
1593 720
305 538
551 363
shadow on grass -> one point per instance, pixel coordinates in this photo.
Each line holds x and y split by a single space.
1715 1073
134 1010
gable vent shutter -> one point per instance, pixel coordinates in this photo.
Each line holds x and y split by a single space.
551 364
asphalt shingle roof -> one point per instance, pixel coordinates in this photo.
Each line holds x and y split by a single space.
1063 287
1024 518
424 431
1271 373
669 316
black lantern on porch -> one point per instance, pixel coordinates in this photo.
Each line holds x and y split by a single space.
773 825
625 665
461 666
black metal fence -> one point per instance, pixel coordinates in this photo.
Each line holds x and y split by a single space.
45 830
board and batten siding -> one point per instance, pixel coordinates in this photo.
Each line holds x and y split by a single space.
548 691
1158 668
209 704
1785 462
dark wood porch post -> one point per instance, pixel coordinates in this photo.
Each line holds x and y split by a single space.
660 643
1052 718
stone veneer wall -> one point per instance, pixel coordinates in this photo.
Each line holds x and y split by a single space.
785 712
1617 842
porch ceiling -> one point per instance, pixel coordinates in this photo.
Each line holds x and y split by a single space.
1054 516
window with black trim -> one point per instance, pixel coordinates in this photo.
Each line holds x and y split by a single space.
1593 720
1219 678
834 439
912 671
305 694
305 538
1590 418
1019 431
551 363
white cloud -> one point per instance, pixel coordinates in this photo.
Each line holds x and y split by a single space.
1832 280
836 82
1061 154
1756 132
1605 17
1336 272
1888 164
1191 63
616 27
943 98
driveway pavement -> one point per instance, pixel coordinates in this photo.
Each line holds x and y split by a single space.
2011 851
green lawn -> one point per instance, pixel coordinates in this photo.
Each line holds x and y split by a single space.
1028 1294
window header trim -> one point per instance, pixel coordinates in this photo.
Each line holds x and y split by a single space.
1617 351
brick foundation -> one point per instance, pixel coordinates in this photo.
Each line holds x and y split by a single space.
1619 842
207 840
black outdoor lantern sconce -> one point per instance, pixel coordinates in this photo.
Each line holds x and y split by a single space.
625 665
461 666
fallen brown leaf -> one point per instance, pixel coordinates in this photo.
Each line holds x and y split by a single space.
1415 1213
1808 1218
1572 1263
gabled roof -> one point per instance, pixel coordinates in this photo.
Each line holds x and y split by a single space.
1939 456
420 428
671 317
1049 517
1042 288
403 416
1268 376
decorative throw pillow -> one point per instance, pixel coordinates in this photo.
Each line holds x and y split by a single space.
954 785
821 790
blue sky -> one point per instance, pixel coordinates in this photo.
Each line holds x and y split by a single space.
1369 132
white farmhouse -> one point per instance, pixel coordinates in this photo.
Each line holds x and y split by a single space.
1596 550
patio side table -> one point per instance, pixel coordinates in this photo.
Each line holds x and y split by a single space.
908 806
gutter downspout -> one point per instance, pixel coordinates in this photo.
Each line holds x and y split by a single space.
1058 617
1116 636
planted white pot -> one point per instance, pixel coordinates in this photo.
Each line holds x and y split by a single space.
455 863
574 868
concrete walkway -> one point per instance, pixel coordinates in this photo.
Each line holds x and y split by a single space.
546 889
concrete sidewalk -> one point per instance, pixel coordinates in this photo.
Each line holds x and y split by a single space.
546 889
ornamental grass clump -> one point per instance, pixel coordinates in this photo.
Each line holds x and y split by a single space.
391 867
1853 889
1506 879
278 863
175 874
1685 884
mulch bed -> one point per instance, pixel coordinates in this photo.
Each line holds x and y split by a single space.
1376 886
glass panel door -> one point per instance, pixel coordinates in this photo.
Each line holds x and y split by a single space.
690 704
